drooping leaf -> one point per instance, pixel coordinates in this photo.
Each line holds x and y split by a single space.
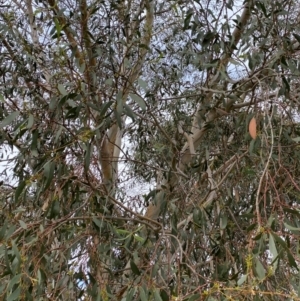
9 119
194 297
273 250
156 295
242 279
139 101
15 295
19 190
259 269
143 294
134 268
62 90
49 168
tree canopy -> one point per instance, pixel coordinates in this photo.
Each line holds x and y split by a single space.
150 150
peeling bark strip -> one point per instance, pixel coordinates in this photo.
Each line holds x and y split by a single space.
111 144
105 161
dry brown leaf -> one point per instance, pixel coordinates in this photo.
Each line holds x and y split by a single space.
252 128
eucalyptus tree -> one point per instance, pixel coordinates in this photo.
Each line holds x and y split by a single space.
150 150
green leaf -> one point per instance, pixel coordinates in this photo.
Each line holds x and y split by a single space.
270 220
273 250
156 295
143 294
139 100
30 121
292 211
19 190
109 82
195 297
187 21
2 287
9 119
7 262
294 229
3 230
58 133
143 84
82 67
34 142
197 215
62 90
139 238
15 295
262 7
134 268
13 281
251 146
292 261
105 107
10 231
223 221
251 227
242 280
297 37
49 168
260 271
155 270
279 240
128 111
98 223
57 26
129 296
22 224
164 295
54 209
87 156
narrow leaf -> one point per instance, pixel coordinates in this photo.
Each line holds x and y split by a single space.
87 157
223 221
156 295
291 227
30 121
105 107
15 295
9 119
164 295
297 37
13 281
19 190
259 270
128 111
273 250
134 268
143 294
142 84
139 100
195 297
292 261
242 280
97 222
279 240
49 172
22 224
62 90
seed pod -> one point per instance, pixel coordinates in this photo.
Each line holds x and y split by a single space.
252 128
